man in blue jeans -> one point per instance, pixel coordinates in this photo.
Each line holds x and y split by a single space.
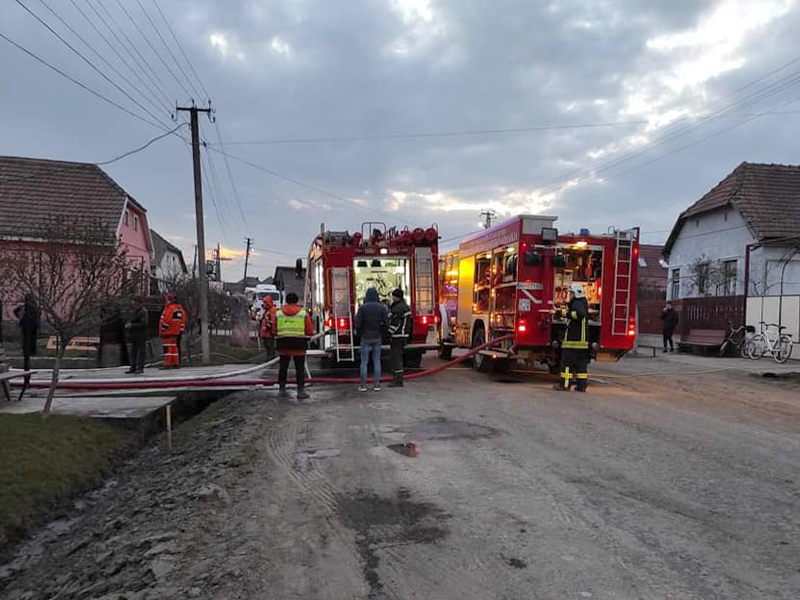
371 321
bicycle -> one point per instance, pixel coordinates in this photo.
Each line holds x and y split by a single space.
738 339
779 347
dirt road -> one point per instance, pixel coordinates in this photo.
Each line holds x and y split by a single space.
672 486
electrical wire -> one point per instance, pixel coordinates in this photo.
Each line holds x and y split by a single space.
103 58
169 50
78 165
119 56
76 82
150 72
220 219
149 43
180 47
231 180
310 187
86 60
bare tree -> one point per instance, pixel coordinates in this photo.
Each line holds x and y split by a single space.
74 270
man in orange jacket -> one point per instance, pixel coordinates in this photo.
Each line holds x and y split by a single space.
292 325
266 329
170 327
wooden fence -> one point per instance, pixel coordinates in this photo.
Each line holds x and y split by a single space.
709 313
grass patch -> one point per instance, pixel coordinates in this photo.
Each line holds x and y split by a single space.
44 463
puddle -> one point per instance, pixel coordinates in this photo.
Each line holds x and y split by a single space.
441 428
388 521
410 449
303 459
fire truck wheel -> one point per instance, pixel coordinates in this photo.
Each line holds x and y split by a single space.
480 362
445 352
502 365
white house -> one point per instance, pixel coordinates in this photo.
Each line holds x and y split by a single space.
168 264
742 238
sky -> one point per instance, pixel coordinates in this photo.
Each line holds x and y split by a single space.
604 113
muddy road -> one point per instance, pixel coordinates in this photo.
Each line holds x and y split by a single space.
462 486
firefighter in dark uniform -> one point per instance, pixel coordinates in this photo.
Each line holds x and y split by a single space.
399 329
575 345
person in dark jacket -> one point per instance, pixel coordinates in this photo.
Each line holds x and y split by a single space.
669 318
137 334
29 319
371 321
399 330
575 345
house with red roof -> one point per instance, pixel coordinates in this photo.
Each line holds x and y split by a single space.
739 245
35 191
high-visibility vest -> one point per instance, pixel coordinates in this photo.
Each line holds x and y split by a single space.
292 325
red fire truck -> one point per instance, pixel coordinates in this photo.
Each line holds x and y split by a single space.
341 267
512 278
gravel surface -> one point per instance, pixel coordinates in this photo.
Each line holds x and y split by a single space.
458 486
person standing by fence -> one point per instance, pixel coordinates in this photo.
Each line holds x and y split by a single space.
29 320
137 334
669 318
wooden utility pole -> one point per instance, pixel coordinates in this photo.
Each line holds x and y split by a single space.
205 341
488 215
247 258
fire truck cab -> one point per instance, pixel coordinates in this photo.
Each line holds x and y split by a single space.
341 267
512 278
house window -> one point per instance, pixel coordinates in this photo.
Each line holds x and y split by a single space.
701 278
136 222
729 273
676 284
125 217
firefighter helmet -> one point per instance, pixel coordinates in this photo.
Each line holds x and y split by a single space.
577 289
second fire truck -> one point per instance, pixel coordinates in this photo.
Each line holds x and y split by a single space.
342 266
512 278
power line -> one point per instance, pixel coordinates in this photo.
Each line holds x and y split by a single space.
310 187
76 82
119 56
86 60
101 57
169 50
131 48
211 194
78 165
180 47
149 43
230 177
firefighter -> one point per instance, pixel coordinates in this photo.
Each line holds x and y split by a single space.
170 327
292 326
399 329
266 331
575 345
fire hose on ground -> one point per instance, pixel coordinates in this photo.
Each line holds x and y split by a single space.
203 381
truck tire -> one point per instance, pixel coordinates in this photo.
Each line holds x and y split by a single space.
445 352
480 362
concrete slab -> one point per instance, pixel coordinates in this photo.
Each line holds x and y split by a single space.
99 407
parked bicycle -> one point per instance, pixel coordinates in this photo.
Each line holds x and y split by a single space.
737 340
778 344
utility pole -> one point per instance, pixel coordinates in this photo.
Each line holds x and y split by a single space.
247 258
205 341
218 267
488 214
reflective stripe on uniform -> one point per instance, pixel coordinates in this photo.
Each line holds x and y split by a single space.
582 376
574 315
570 345
292 325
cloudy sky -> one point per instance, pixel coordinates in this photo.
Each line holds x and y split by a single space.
602 112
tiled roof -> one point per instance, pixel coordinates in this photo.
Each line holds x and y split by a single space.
651 255
767 195
160 247
32 189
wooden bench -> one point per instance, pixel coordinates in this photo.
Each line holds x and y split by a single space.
6 375
703 338
76 344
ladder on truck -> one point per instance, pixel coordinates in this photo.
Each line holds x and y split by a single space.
623 280
423 282
340 288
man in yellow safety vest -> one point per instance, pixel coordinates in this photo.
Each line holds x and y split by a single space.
293 327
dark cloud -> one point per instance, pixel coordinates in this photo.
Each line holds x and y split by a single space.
310 69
